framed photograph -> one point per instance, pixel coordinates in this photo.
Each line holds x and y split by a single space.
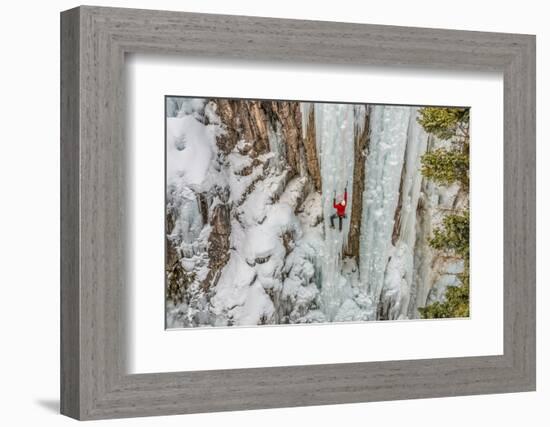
261 213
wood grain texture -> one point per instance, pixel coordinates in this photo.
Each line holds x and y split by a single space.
70 297
95 235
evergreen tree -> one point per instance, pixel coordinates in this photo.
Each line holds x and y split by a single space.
445 123
447 166
453 237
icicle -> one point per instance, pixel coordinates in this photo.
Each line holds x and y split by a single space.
276 145
388 140
305 108
398 280
335 125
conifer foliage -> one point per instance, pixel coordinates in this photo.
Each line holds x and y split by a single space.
447 166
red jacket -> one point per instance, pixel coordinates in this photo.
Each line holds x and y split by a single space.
341 207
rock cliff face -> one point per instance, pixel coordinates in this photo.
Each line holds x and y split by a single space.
261 156
218 243
361 142
246 121
310 146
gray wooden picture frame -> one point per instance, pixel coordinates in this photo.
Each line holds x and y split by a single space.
94 41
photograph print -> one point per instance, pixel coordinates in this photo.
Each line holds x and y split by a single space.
289 212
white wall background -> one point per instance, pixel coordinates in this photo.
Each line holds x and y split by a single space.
29 213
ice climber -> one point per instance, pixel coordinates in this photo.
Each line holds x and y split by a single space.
340 205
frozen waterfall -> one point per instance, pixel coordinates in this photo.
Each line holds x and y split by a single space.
389 215
336 126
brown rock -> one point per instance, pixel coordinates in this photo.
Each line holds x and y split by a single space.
310 146
361 148
218 244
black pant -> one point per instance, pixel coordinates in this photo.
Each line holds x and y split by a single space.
340 218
